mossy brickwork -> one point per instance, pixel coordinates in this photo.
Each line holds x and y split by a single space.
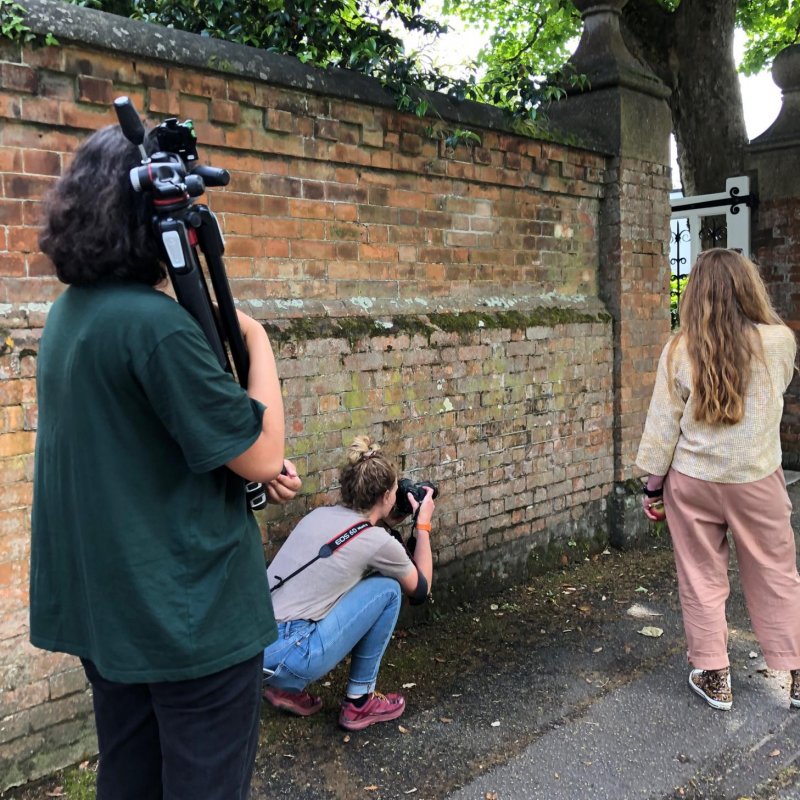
459 305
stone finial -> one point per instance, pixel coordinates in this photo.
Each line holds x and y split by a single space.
602 55
785 131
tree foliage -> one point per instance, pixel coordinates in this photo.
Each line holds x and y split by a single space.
349 34
528 42
770 25
364 36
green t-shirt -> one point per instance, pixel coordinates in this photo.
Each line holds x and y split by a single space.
144 557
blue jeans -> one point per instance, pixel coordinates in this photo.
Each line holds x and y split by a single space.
361 623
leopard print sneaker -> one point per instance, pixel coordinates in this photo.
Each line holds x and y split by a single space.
794 692
714 686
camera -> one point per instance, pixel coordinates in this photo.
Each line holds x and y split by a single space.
417 490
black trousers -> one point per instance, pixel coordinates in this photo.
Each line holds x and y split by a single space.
181 740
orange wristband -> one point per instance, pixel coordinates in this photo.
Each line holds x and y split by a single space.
423 526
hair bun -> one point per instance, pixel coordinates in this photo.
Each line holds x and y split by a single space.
362 449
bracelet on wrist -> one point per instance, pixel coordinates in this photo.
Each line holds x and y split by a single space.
653 492
423 526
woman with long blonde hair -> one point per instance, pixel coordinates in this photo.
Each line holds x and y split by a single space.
711 446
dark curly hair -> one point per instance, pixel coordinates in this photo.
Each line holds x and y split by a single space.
366 476
96 227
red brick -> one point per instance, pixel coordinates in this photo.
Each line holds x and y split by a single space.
12 265
18 78
162 101
42 162
224 111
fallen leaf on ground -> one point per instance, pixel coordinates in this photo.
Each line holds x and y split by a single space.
445 720
402 729
490 796
372 788
496 723
753 654
642 612
597 649
409 685
642 589
651 630
775 753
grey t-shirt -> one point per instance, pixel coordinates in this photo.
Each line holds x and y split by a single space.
312 593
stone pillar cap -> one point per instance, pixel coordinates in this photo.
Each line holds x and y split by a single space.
785 131
602 55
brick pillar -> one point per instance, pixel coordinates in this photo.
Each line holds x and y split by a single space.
625 113
774 157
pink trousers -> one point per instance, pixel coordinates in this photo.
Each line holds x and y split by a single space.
699 514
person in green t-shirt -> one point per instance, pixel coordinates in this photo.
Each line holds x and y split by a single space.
145 559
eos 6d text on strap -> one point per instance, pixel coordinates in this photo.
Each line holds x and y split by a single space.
327 550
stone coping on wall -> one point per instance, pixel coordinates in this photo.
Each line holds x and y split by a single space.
503 310
548 307
120 34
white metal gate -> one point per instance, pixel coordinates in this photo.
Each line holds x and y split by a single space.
735 203
701 230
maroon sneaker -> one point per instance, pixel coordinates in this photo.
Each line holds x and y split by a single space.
379 708
301 703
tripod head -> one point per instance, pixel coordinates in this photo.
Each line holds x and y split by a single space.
171 174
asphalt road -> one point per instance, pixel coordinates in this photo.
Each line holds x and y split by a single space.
652 738
562 698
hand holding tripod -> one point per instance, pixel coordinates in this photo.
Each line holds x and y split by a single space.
172 179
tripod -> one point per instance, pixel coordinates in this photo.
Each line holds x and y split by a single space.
173 180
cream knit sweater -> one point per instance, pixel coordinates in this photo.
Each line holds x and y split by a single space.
747 451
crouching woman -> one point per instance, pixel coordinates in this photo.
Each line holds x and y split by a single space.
337 584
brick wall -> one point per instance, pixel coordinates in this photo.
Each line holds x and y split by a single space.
776 247
635 286
448 301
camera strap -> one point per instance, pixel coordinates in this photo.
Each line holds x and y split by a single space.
327 550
